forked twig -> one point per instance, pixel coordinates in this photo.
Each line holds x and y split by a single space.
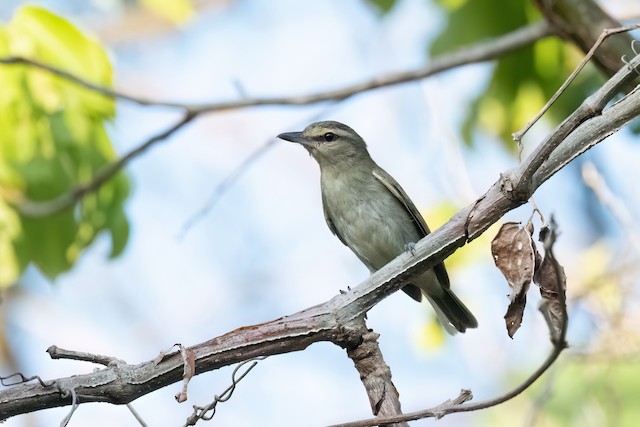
517 136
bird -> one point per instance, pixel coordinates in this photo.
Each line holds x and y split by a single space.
372 215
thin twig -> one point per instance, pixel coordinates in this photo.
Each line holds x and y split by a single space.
479 52
136 415
521 184
74 405
237 172
202 412
101 89
70 198
442 410
223 185
24 379
517 136
56 352
615 204
541 399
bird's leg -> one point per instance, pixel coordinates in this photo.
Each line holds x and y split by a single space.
411 247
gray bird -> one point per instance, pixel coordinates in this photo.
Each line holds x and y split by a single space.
372 215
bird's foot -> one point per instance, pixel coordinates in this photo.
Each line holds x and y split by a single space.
410 247
342 291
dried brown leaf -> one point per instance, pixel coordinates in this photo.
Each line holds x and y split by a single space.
515 256
551 279
515 311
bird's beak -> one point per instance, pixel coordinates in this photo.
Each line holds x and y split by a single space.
294 137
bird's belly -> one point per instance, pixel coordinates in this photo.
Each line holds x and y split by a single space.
377 231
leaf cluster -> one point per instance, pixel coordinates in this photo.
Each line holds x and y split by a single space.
53 137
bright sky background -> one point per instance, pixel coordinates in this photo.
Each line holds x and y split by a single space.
264 250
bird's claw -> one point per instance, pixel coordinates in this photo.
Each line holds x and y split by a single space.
410 247
343 292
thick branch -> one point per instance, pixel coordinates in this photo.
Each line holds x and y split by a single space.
517 136
123 383
594 130
582 21
521 181
375 375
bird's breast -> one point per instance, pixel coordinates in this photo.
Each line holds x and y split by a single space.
371 221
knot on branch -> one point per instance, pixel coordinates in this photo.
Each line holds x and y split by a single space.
374 373
514 186
365 350
350 335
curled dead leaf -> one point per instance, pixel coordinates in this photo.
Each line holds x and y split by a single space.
515 256
551 280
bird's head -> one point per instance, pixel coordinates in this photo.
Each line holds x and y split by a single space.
330 143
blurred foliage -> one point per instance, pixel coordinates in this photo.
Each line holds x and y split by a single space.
383 6
431 336
473 252
596 393
175 11
53 137
521 81
583 392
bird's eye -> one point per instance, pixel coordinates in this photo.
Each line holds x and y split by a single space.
329 136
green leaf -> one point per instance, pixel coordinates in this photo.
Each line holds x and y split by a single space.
55 41
471 21
54 139
522 81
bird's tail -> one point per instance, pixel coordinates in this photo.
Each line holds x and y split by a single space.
453 314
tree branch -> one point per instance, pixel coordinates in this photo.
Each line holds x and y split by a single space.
522 181
330 321
375 375
581 22
607 32
70 198
101 89
56 352
479 52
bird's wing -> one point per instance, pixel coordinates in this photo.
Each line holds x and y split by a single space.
327 217
392 185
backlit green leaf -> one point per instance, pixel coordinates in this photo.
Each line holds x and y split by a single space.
521 81
54 139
